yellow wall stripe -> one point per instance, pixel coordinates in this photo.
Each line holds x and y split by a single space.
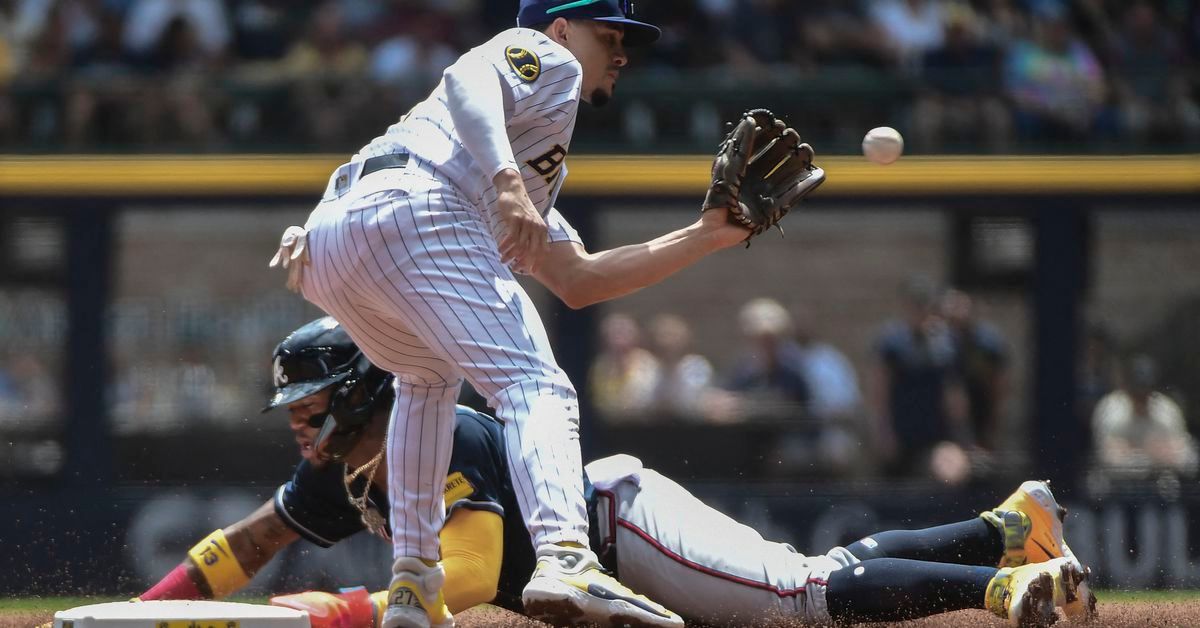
606 175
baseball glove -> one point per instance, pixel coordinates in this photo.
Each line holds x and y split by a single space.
761 171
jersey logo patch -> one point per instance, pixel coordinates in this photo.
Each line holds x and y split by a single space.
526 64
457 487
549 163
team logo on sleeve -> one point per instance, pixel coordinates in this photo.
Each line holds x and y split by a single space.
524 63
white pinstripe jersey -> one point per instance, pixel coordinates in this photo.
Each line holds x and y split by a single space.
541 83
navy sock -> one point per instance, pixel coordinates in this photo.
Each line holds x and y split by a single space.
895 589
974 542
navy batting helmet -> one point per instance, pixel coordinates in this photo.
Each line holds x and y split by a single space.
321 355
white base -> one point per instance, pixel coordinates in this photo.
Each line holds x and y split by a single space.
180 614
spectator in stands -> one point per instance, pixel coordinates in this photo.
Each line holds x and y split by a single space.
8 69
981 355
148 21
835 402
838 34
762 35
1150 80
415 55
101 97
325 67
44 54
686 378
771 373
181 45
263 30
686 42
960 101
1055 80
79 19
1002 21
1139 430
624 375
834 397
1097 373
916 396
912 27
29 395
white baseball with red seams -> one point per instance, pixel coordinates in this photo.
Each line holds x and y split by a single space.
687 556
406 260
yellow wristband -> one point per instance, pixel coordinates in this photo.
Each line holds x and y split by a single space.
221 569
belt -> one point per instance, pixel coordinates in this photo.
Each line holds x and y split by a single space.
346 174
383 162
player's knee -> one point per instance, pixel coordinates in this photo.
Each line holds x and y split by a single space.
863 549
535 396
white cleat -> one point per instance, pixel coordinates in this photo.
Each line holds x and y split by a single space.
415 596
569 588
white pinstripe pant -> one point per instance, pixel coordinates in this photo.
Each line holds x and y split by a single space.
411 271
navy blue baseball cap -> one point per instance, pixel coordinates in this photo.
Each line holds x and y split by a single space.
538 12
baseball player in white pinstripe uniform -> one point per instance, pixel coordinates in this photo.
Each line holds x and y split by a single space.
413 250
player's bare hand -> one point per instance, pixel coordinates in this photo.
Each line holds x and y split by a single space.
522 238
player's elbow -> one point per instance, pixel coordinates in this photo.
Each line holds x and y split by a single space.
574 289
577 300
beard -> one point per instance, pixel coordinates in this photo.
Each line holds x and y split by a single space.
599 97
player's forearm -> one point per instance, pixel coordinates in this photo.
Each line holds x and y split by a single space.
598 277
256 539
225 560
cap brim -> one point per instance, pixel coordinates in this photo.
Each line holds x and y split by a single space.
636 33
296 392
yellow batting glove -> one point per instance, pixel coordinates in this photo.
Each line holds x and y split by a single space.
351 608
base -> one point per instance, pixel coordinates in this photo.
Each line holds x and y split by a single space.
180 614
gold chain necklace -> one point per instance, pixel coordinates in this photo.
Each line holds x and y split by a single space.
375 522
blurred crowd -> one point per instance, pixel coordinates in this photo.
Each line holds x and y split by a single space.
932 399
935 401
97 75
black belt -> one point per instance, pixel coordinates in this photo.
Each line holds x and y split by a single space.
383 162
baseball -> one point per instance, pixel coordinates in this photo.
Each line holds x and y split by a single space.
883 145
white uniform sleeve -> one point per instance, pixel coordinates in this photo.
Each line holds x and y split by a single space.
474 96
555 84
559 229
519 75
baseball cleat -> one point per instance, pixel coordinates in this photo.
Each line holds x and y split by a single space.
1031 524
415 597
569 588
1026 596
1078 602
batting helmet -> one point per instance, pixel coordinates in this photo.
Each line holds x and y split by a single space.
321 355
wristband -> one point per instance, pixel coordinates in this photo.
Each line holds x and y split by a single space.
221 569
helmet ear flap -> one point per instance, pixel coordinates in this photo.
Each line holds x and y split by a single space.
352 404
